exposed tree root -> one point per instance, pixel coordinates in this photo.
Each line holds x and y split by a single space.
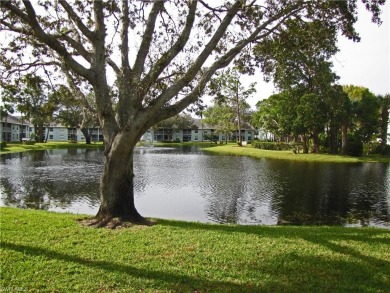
115 223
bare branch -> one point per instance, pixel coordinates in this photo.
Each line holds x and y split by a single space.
75 88
124 46
211 8
194 69
147 38
113 65
30 19
77 46
169 55
24 67
15 29
77 20
218 64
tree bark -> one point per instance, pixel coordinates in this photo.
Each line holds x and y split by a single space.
39 132
344 131
305 146
238 117
87 135
47 133
384 123
333 139
117 182
315 142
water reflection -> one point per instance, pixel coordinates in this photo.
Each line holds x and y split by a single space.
187 184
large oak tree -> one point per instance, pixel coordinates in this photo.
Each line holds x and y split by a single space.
162 54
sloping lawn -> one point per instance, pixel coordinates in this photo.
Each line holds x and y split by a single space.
250 151
52 252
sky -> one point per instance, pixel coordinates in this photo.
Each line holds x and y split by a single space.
366 63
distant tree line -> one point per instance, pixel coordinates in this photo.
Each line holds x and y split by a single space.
43 104
311 107
343 120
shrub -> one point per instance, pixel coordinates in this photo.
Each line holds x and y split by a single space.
3 145
372 148
29 142
273 146
354 147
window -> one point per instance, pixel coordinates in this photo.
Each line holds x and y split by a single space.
51 129
51 136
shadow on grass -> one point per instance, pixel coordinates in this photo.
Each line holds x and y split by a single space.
171 281
293 272
324 236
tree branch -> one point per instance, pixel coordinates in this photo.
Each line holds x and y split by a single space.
30 19
75 88
194 69
169 55
147 38
22 67
77 20
77 46
124 46
220 63
15 29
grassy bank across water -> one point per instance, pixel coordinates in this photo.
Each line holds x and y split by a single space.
19 147
250 151
230 149
51 252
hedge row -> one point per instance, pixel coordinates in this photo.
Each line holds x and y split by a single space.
275 146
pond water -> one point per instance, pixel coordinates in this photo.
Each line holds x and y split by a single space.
187 184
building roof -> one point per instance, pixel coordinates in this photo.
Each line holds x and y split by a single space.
19 121
12 119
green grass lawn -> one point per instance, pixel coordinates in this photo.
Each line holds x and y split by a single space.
19 147
50 252
249 151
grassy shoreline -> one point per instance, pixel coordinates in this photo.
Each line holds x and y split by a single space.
50 252
230 149
250 151
19 147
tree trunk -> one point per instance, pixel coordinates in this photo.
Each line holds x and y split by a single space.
305 146
21 131
315 142
39 132
117 182
87 135
344 131
384 123
333 139
238 118
47 133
